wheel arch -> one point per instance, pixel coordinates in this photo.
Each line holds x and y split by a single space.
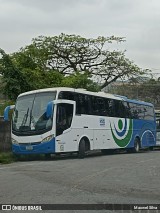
87 142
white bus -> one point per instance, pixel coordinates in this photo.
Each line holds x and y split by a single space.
62 120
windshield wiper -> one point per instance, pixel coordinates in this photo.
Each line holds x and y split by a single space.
25 118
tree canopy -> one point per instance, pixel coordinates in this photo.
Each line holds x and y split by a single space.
65 60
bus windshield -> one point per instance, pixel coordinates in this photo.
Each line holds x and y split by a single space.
29 116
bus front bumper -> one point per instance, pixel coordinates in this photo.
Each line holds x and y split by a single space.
35 148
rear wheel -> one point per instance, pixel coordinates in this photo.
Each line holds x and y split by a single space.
136 148
81 152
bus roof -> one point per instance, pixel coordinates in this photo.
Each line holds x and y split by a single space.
84 91
138 102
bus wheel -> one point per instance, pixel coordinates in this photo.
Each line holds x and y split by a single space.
81 152
136 148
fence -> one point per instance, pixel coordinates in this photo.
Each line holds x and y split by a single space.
5 135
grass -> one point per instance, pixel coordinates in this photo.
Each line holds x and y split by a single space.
7 157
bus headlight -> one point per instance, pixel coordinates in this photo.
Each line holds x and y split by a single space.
14 141
47 138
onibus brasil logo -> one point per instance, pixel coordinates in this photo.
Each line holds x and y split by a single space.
122 131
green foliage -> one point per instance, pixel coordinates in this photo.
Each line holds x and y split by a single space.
14 80
65 60
7 157
4 105
53 79
70 53
20 74
79 80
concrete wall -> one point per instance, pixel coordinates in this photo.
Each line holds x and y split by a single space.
5 135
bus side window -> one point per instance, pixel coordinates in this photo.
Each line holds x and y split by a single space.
66 95
86 104
128 113
117 108
158 124
140 111
82 104
80 109
111 108
101 106
122 110
94 105
89 102
149 115
134 112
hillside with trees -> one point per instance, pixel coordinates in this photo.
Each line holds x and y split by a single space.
147 90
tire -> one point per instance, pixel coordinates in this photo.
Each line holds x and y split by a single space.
136 148
81 152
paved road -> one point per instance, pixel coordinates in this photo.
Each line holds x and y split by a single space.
118 179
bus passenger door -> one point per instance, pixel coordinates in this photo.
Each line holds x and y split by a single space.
64 135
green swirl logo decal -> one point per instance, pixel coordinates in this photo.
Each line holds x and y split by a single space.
123 132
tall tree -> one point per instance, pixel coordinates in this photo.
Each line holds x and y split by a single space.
65 60
70 54
21 74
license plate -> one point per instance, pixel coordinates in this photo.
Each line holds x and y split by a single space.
29 147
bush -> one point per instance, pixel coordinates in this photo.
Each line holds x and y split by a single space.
7 157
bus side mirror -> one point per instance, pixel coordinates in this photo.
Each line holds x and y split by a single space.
49 109
6 112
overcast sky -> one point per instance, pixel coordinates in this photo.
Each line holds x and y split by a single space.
136 20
